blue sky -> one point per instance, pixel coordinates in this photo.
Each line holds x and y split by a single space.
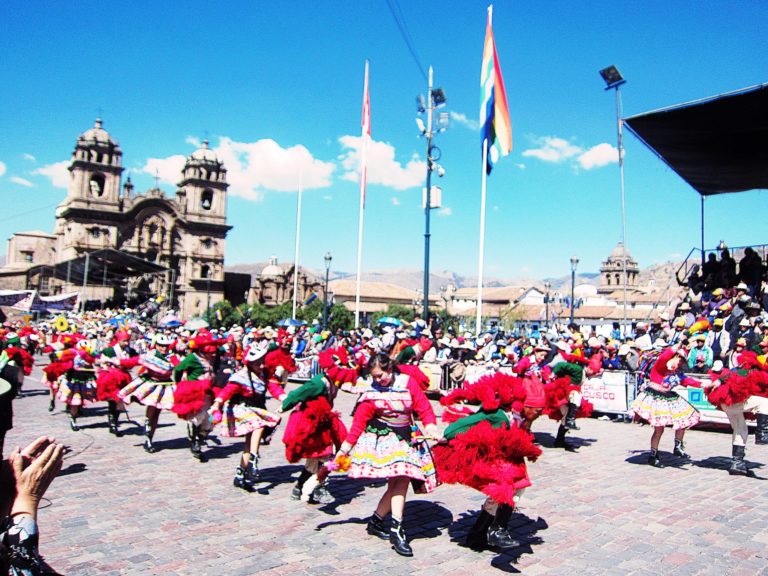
277 89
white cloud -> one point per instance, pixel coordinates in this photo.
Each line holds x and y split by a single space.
327 197
21 181
57 173
598 156
462 119
556 150
253 167
193 140
553 149
29 157
382 167
168 170
2 168
395 201
445 211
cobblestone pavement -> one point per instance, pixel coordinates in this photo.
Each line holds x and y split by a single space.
600 510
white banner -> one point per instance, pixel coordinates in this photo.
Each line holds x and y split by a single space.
608 393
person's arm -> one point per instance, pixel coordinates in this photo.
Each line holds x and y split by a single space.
364 411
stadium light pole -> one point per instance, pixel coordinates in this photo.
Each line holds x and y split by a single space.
435 99
613 81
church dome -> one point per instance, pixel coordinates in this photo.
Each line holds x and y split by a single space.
272 269
96 136
618 253
204 153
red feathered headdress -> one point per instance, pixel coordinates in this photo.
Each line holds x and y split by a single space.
338 366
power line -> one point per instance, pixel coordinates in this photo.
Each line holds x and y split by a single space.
397 14
14 216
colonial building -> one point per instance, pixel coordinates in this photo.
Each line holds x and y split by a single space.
184 234
273 285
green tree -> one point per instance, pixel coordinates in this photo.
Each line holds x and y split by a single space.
340 317
310 312
221 314
403 313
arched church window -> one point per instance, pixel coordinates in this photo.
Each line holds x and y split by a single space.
96 184
206 199
205 271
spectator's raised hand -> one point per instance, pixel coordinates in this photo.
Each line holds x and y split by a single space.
34 468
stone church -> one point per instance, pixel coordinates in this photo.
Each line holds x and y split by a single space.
183 236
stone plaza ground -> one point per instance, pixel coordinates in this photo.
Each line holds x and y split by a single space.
115 509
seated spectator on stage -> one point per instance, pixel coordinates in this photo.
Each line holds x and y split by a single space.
751 271
710 272
718 339
612 361
700 356
727 270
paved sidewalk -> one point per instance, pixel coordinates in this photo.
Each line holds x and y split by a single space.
117 510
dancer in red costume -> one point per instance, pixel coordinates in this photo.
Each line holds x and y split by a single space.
153 387
737 392
314 429
660 406
564 400
384 442
193 394
78 384
487 449
113 374
241 412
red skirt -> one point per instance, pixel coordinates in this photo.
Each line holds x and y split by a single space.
190 396
314 430
109 382
491 460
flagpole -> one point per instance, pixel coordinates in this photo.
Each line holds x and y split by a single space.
296 256
481 256
366 127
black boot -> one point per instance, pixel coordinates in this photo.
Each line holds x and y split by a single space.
570 418
303 477
112 417
73 423
477 537
377 527
252 474
738 466
680 450
498 536
239 478
761 432
195 446
560 439
398 540
654 459
52 404
148 446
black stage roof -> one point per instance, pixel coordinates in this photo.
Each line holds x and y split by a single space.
718 145
107 266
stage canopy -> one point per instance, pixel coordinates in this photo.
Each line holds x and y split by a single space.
718 145
108 267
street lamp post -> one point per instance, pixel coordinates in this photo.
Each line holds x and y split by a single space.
435 99
574 263
613 80
327 259
547 286
208 295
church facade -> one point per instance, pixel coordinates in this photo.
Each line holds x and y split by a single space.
185 234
